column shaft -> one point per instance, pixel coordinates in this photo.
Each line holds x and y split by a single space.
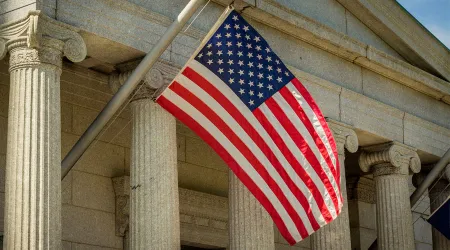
440 242
250 226
33 168
335 235
154 222
394 219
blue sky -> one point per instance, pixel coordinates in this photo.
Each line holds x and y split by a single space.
433 14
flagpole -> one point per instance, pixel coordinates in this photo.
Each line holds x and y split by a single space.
123 93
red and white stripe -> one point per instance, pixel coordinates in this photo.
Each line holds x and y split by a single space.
283 151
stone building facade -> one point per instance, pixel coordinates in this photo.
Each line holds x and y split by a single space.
148 182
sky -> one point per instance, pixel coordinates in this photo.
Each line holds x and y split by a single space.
433 14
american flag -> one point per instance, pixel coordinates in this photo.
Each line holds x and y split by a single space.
238 96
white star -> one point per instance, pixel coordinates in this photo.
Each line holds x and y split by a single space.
239 44
269 77
229 43
259 56
260 75
277 61
227 26
218 36
241 81
257 39
250 64
278 70
251 92
260 85
200 55
219 52
269 58
270 87
249 46
279 79
209 62
236 26
220 61
228 35
240 63
247 37
231 71
230 52
231 80
258 48
260 95
230 62
251 102
286 73
250 55
238 35
220 71
260 66
241 72
218 44
250 73
269 68
209 46
235 18
209 53
241 91
239 53
251 83
268 50
245 28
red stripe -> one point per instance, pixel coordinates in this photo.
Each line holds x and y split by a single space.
303 146
255 136
234 166
300 112
308 98
295 164
240 145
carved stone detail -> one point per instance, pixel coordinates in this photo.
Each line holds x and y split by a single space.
158 77
389 158
344 135
37 31
122 191
361 189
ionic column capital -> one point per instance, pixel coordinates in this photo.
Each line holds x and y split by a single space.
37 39
389 158
159 76
344 136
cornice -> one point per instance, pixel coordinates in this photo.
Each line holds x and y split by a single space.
308 30
36 29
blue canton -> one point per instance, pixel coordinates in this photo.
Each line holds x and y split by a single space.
239 56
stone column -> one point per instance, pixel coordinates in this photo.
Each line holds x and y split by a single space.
250 226
154 213
336 235
438 194
391 164
36 45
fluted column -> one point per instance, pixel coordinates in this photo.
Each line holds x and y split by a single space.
154 213
391 164
250 226
336 235
33 165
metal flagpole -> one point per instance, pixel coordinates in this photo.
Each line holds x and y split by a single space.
122 94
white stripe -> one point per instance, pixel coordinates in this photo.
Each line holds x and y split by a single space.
237 156
247 140
300 126
300 157
225 90
314 120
